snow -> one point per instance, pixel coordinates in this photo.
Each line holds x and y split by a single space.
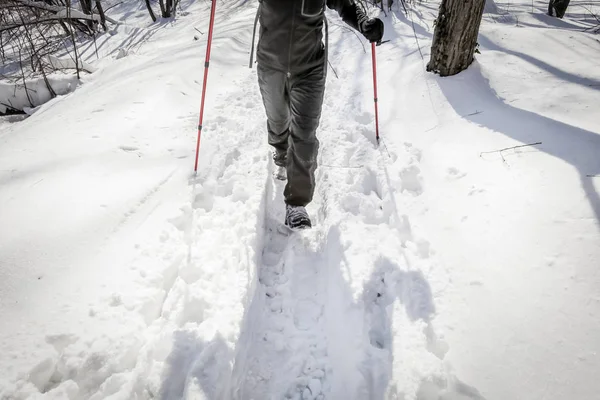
15 95
437 267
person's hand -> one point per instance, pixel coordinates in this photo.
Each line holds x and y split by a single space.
372 30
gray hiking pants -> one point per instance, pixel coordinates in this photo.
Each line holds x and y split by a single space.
293 106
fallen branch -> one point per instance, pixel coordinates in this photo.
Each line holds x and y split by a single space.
9 110
111 7
60 11
509 148
41 5
341 167
336 75
53 19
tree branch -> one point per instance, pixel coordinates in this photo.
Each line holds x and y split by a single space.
509 148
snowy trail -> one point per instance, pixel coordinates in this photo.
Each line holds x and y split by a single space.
336 317
286 343
200 296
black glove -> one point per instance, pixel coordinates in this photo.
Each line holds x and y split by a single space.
372 29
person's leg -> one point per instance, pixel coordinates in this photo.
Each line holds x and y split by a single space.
306 97
275 94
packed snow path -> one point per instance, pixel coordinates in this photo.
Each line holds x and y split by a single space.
431 272
312 312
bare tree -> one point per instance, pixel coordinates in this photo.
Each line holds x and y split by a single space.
86 7
102 14
32 32
455 36
558 8
149 7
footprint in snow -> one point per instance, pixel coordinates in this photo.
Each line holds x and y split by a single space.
411 180
414 151
364 118
455 174
308 387
128 149
115 300
476 190
61 341
307 314
204 201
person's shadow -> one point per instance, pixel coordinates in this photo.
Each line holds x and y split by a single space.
214 369
388 285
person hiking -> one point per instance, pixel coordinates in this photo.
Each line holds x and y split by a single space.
292 69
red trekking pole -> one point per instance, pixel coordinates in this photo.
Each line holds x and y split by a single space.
206 64
375 91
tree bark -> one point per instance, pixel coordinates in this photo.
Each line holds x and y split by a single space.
102 15
558 8
150 11
163 10
86 8
455 36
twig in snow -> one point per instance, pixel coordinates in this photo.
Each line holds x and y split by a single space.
509 148
341 167
199 30
593 176
403 6
412 22
111 7
336 75
385 147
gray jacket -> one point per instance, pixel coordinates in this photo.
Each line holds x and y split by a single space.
291 31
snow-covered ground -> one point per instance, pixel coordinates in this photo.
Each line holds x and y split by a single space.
437 268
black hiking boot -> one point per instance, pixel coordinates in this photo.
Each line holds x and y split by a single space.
280 173
296 217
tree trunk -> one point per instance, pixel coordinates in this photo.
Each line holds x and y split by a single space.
455 36
86 7
150 11
558 8
163 10
102 15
